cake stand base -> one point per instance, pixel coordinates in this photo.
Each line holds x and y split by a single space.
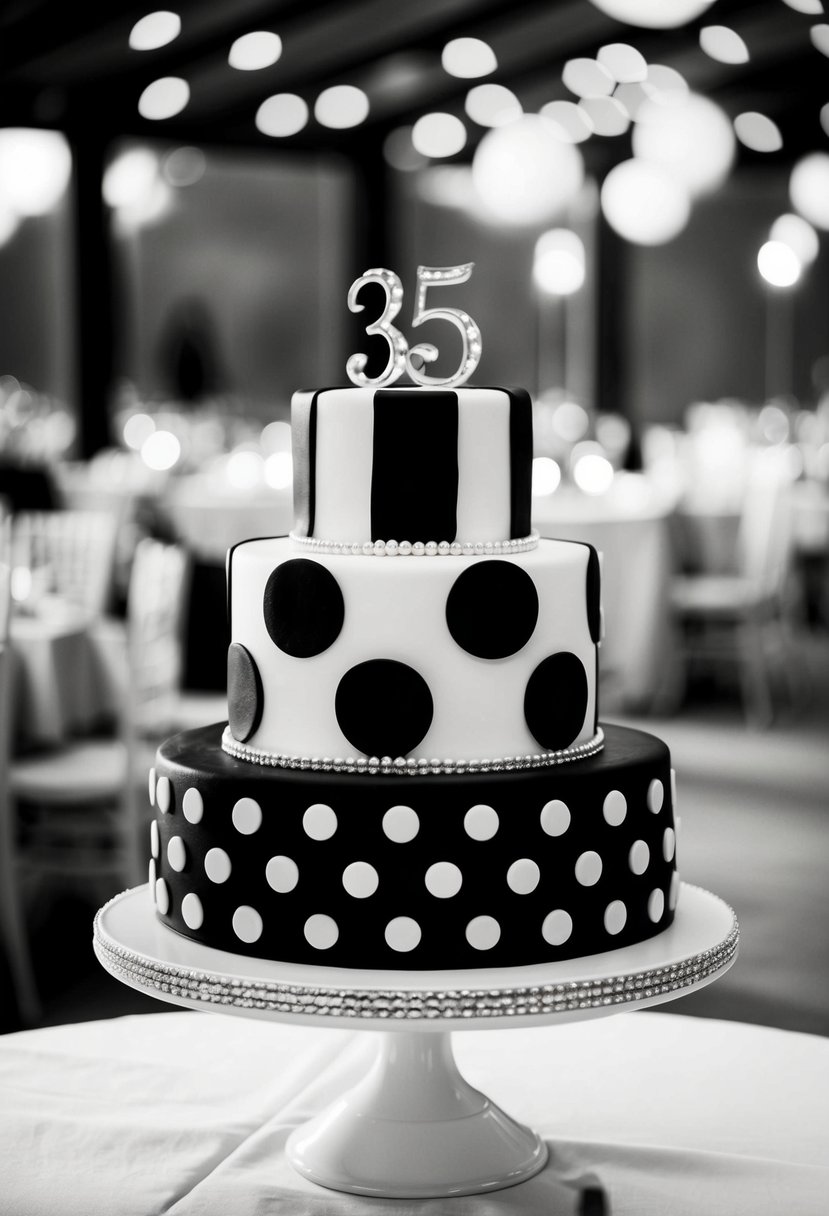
414 1128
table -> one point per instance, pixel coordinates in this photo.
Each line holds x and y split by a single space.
188 1113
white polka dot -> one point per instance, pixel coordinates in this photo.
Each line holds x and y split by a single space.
557 927
360 879
401 824
151 877
217 865
192 805
523 876
656 905
402 934
247 816
163 794
555 817
656 796
443 879
162 896
151 783
588 868
673 894
247 923
321 931
615 808
615 915
192 911
282 874
673 787
319 822
639 857
176 853
481 822
483 932
155 846
668 844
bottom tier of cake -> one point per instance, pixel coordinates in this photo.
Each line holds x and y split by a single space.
414 872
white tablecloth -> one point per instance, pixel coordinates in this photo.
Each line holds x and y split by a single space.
188 1113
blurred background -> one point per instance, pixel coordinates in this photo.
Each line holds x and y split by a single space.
185 199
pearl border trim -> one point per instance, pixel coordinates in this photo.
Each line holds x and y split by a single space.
418 548
412 767
401 1003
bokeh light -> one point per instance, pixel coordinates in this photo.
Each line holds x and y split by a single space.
161 451
245 470
654 14
559 262
256 50
570 421
437 135
523 172
130 176
184 166
798 234
607 115
164 98
546 475
587 78
400 152
137 430
592 473
341 106
570 122
778 264
693 140
468 58
809 188
819 35
758 132
35 167
155 30
624 63
279 470
281 115
643 203
723 44
492 105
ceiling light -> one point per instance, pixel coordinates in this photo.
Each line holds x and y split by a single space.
632 96
570 122
693 140
665 85
644 203
468 57
824 117
256 50
607 115
625 64
164 98
437 135
35 167
281 115
819 35
655 14
492 105
341 106
809 188
723 44
812 8
798 234
523 172
778 264
155 30
587 78
758 132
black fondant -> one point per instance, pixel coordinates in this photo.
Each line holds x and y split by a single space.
245 695
555 701
521 461
303 607
629 762
414 476
492 609
383 707
594 595
304 451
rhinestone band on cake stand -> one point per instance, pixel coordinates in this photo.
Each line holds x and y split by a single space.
413 1127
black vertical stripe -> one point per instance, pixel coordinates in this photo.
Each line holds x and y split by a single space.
521 461
414 472
304 452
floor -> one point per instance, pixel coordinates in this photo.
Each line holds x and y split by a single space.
754 829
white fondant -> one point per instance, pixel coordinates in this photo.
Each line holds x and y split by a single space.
155 846
282 874
162 896
615 916
483 486
669 844
319 822
192 805
176 854
557 927
163 794
247 924
481 822
247 816
588 868
344 439
401 824
615 808
443 879
402 934
360 879
639 857
397 610
523 876
555 817
151 786
656 796
483 932
192 911
673 894
656 905
321 931
217 865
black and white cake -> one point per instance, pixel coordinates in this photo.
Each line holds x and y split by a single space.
413 775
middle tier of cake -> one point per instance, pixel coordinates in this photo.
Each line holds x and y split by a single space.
432 660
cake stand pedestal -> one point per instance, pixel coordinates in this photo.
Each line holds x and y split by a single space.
413 1127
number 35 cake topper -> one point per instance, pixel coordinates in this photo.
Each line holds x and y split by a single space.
400 354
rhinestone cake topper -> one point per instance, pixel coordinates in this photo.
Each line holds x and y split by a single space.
400 354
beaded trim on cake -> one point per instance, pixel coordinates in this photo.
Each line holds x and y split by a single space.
400 766
418 548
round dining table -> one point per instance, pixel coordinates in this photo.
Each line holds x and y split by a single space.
188 1113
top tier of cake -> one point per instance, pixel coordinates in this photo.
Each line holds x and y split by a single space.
412 465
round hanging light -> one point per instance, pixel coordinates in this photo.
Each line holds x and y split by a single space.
654 14
693 140
524 173
644 203
809 188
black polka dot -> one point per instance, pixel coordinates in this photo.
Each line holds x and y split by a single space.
594 599
556 700
245 698
304 608
384 708
492 609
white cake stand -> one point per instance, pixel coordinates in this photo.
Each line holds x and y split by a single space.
413 1127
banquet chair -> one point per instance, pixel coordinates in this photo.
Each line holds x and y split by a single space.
741 617
75 549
